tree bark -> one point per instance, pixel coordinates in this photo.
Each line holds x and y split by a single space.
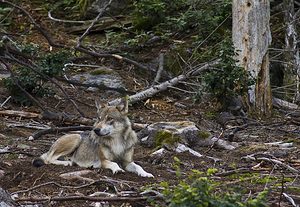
291 72
251 38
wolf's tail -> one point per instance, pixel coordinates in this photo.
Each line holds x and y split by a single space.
38 162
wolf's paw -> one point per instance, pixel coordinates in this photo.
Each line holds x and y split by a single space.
115 168
120 170
146 175
67 163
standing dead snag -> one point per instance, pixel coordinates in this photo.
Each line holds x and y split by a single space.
251 38
292 62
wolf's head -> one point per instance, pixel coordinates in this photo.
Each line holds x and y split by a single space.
112 121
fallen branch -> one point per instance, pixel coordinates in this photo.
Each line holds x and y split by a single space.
35 69
270 158
279 103
67 118
15 80
77 175
279 163
86 198
122 91
163 86
95 182
57 130
23 114
118 57
39 28
93 23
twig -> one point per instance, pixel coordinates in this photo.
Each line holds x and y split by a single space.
93 23
39 28
279 163
290 199
35 69
213 144
87 198
118 57
13 77
236 171
56 130
52 183
66 21
6 100
282 190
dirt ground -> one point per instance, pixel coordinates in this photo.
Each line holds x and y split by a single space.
24 181
27 183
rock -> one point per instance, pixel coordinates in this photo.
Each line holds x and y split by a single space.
170 133
5 199
100 76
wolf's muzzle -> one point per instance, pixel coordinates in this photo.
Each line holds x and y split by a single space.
102 131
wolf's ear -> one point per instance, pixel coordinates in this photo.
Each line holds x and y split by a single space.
123 107
99 107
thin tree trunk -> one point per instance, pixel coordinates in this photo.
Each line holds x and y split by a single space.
292 70
251 38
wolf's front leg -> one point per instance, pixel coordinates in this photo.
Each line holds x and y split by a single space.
114 167
135 168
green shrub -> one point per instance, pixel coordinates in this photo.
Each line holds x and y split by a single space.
227 80
35 84
5 16
200 191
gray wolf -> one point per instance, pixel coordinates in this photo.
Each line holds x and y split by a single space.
109 145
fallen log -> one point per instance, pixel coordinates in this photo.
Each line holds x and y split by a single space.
163 86
23 114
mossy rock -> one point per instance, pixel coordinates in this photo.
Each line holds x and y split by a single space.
165 137
102 71
204 134
170 133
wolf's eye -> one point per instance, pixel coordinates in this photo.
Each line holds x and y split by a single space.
110 121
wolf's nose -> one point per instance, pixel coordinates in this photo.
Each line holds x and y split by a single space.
97 131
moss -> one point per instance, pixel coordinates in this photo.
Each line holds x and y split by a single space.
253 148
203 134
165 137
101 72
294 189
210 115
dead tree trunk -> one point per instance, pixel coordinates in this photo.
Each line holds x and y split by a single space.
251 38
292 70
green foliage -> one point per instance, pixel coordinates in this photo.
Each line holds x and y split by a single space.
227 80
70 8
200 191
165 137
179 15
5 18
148 13
35 84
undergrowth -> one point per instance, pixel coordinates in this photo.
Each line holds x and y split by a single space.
200 190
50 65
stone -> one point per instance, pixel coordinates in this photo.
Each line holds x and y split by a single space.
171 133
100 76
5 199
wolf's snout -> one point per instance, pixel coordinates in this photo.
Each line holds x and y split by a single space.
102 131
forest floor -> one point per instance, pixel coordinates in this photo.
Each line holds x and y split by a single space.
27 184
